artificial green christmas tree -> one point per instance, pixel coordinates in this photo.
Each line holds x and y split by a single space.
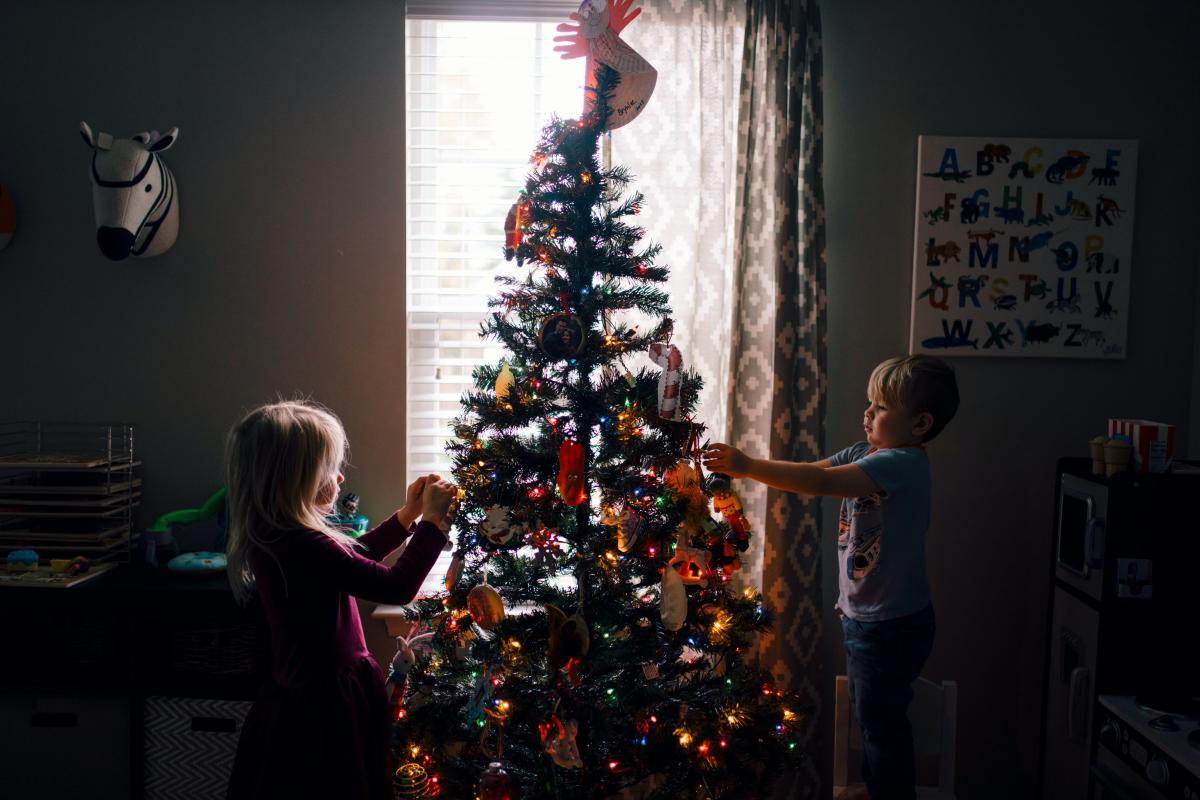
588 641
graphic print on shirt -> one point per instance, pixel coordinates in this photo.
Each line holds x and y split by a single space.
860 528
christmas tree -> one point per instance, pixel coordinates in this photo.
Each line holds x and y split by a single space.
589 640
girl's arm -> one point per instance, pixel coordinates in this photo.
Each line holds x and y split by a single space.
358 574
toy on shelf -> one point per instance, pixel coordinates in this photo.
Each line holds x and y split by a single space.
161 534
347 519
22 561
199 563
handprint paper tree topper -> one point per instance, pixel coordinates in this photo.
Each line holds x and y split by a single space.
595 34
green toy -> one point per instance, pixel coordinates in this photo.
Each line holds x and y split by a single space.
159 534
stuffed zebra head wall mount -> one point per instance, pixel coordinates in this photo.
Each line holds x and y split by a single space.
133 193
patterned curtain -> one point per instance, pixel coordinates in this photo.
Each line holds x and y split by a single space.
728 153
777 397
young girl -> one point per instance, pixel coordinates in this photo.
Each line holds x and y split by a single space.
320 727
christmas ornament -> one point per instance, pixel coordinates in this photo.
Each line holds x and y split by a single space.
495 783
559 742
571 473
673 600
8 217
504 385
684 482
447 520
485 606
455 572
727 502
514 228
690 563
569 641
632 526
562 336
668 357
410 780
498 526
596 36
402 663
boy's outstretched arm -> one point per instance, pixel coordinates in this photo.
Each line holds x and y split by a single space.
815 478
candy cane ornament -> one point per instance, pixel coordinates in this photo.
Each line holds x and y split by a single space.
668 357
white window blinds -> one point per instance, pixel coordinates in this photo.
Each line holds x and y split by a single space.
478 94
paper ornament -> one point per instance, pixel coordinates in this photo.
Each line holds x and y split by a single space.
498 525
485 606
569 637
668 357
8 217
133 193
595 35
690 563
571 473
673 602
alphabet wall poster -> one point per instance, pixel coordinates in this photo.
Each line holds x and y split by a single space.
1022 247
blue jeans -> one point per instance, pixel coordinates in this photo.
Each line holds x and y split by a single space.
882 661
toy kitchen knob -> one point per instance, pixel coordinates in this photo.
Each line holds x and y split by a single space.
1157 771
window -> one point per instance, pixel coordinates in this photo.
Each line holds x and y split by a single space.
478 94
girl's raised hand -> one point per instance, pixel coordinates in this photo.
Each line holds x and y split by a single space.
436 498
726 458
412 500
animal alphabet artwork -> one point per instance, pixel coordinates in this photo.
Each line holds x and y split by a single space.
1022 247
134 196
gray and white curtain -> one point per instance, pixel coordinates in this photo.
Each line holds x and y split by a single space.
729 155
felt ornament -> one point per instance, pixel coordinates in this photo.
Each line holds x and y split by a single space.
498 525
8 217
668 357
504 386
455 572
558 740
495 783
569 641
729 505
571 472
632 526
514 228
595 35
485 606
690 563
402 664
672 605
133 193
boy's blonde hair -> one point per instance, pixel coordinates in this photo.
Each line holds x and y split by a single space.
278 460
917 384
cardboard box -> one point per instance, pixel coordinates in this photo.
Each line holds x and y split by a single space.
1153 442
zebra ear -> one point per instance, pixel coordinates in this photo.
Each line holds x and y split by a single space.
163 142
145 136
86 132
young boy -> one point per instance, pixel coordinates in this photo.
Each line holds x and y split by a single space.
883 593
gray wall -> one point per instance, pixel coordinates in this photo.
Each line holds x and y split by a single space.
897 70
288 274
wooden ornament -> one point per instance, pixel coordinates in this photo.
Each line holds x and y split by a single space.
571 473
485 606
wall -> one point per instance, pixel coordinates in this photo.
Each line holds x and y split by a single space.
288 274
897 70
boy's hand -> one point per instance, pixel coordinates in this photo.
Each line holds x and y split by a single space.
412 501
728 459
436 498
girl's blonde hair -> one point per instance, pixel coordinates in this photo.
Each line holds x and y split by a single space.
279 459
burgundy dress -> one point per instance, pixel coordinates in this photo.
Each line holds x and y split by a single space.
320 727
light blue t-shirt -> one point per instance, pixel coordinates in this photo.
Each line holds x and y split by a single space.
881 536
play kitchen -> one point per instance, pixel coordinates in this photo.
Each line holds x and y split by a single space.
1122 684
